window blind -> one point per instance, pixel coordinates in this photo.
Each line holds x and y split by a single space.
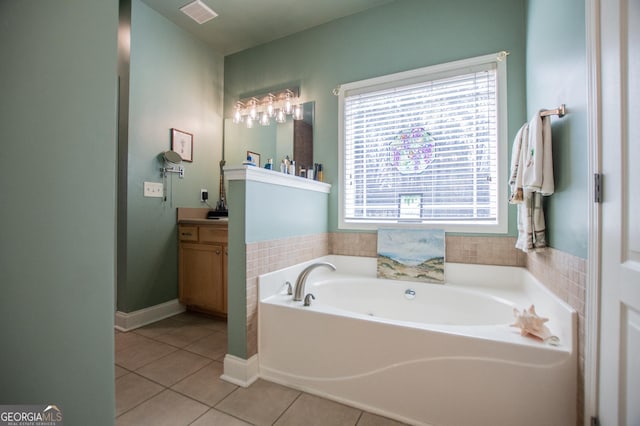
431 143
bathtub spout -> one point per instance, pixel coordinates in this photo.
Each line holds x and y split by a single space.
302 278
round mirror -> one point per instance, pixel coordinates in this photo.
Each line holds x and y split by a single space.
172 157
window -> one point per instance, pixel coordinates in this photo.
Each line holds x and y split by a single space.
426 147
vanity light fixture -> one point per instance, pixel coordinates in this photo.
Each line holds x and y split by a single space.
262 108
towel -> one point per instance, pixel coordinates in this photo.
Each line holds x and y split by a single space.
537 175
534 165
515 179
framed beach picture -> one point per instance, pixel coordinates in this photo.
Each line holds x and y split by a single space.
182 143
411 254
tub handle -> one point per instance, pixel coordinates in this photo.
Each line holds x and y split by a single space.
410 293
307 299
289 288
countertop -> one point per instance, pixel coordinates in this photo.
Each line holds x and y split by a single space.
194 221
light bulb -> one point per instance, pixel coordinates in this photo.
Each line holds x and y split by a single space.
237 116
270 107
288 106
253 109
264 119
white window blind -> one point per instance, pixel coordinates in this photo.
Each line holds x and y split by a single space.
422 149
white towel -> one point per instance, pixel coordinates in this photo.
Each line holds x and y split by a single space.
537 175
536 168
515 179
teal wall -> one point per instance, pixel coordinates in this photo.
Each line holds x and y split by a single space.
58 165
236 271
399 36
274 212
556 74
176 82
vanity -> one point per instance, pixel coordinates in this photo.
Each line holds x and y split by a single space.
202 262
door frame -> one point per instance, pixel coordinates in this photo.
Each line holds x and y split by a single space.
593 284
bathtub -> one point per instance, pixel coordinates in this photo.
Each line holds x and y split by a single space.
433 355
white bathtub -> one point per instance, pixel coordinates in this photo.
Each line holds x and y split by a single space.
445 357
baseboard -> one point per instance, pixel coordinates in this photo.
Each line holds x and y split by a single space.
126 321
241 372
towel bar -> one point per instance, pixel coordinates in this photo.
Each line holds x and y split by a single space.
560 112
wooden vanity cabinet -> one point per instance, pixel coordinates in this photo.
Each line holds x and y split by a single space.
203 267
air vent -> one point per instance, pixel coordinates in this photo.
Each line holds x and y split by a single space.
198 11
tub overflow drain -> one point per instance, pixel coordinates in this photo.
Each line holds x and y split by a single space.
410 294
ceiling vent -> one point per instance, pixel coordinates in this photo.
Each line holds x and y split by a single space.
198 11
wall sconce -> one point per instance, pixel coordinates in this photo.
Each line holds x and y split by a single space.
262 108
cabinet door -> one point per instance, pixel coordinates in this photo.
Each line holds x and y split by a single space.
201 276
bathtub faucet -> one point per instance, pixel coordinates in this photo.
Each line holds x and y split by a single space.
302 278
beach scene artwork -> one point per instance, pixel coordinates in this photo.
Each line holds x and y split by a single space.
411 254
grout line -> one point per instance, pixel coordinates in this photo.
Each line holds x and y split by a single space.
359 417
288 407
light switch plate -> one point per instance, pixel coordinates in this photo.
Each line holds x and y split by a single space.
153 189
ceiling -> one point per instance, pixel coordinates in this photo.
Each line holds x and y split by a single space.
242 24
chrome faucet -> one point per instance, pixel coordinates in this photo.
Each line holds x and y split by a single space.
302 278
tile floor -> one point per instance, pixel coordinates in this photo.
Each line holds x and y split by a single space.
167 373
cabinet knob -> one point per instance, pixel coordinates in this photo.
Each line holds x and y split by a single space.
217 251
186 234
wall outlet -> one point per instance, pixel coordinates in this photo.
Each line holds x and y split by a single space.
204 195
153 189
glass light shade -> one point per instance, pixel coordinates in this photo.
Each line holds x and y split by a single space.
288 106
237 116
264 119
249 122
271 110
281 117
253 109
297 112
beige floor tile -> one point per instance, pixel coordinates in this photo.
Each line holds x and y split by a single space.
194 318
216 325
127 340
368 419
185 335
213 346
205 385
132 390
261 404
165 409
311 410
214 417
120 371
142 353
167 325
173 367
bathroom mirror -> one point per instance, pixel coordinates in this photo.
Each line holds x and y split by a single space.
293 138
172 157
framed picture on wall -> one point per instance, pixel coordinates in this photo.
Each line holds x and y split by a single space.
182 143
255 157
